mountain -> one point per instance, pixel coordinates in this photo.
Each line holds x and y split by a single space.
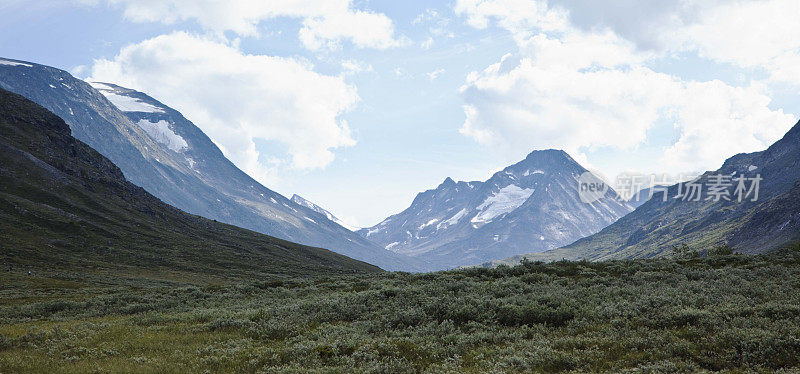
166 154
64 208
641 197
297 199
533 205
769 225
658 226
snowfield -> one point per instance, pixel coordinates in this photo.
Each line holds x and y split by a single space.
161 133
501 202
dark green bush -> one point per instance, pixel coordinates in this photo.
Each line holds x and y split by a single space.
532 314
722 312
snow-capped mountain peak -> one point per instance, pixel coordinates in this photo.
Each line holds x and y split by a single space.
532 205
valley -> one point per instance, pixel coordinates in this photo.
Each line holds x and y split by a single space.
465 186
729 313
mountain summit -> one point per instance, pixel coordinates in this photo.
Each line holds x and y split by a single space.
533 205
661 224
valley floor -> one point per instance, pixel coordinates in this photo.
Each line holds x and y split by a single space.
722 313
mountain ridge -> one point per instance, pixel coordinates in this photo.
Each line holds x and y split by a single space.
532 204
656 227
160 150
310 205
65 207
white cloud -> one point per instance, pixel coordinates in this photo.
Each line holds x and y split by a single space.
78 71
525 104
354 67
651 25
762 34
426 44
435 74
363 29
716 121
238 98
326 23
401 73
438 26
572 88
520 17
755 34
427 15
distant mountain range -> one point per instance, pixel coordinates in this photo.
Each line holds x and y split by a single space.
663 223
163 152
64 208
532 209
533 205
641 197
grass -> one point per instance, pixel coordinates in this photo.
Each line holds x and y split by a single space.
722 312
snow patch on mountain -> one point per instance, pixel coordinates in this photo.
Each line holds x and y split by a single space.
130 104
424 225
504 201
123 102
101 86
161 133
452 220
13 63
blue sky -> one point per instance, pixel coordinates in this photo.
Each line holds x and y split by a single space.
359 105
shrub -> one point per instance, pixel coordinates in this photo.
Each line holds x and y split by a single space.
531 314
5 343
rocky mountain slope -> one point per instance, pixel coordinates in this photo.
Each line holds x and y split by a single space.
533 205
163 152
66 208
297 199
661 224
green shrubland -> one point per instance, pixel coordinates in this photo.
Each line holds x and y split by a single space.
712 311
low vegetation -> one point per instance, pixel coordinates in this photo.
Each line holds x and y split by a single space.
713 311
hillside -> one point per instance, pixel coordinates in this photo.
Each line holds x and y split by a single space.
158 149
66 209
658 226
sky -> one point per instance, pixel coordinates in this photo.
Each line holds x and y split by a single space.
359 105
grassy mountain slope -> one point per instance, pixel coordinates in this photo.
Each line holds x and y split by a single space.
66 208
770 224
